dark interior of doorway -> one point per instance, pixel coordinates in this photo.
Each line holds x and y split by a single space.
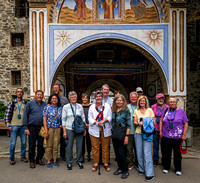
107 61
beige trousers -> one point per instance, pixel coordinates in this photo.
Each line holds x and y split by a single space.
52 143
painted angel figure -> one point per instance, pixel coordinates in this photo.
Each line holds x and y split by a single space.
108 6
80 8
138 7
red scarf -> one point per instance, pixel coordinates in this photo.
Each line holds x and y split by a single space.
100 113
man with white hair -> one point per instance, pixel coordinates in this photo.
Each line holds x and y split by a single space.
158 108
131 149
105 89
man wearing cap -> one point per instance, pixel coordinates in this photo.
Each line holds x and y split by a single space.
139 91
158 109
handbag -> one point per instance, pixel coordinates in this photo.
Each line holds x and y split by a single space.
118 131
78 125
42 132
183 147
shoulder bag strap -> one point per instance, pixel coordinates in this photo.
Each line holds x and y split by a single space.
54 117
72 109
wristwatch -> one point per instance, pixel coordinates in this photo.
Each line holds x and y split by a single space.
127 135
8 125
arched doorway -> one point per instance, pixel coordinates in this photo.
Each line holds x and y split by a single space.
112 60
114 85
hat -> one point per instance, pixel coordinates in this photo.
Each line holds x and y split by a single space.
160 95
183 147
139 89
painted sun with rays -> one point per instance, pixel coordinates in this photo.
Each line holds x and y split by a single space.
153 37
63 38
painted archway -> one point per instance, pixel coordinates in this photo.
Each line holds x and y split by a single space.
146 50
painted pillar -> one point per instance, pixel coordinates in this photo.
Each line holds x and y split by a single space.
177 62
38 48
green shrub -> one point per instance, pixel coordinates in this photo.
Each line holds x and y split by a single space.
2 110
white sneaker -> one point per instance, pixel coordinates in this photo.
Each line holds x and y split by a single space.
165 171
178 173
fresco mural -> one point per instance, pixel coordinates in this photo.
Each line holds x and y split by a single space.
109 11
75 12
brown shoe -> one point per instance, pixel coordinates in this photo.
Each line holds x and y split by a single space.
32 165
24 159
130 166
40 162
12 161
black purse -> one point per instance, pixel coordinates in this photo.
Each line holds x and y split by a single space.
118 131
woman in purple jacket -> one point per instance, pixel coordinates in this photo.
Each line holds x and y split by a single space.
173 128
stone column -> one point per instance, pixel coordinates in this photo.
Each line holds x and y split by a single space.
38 46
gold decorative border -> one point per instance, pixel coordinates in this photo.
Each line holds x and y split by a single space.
181 46
95 12
174 51
34 50
41 30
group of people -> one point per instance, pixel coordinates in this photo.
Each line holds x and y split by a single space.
133 129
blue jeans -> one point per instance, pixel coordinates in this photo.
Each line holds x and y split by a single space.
144 155
13 139
156 139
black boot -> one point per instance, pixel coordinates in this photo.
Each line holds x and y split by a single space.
88 158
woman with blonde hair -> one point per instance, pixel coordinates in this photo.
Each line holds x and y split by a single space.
121 124
144 115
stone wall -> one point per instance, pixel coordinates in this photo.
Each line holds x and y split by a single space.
193 55
13 58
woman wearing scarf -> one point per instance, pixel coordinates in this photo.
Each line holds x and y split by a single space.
99 117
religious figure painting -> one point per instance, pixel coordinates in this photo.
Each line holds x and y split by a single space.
76 12
108 11
146 11
110 8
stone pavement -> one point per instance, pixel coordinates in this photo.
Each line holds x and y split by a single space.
21 173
